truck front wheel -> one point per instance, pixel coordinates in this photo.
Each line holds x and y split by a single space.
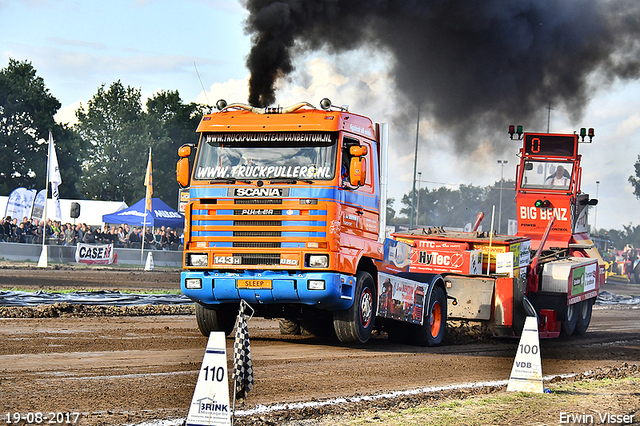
569 324
222 318
354 325
583 312
289 327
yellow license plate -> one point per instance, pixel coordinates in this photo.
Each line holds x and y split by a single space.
254 284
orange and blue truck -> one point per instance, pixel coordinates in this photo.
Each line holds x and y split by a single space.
285 209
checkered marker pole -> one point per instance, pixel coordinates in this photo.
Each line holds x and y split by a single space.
242 365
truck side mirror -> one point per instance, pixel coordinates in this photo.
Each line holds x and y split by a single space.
357 165
358 150
182 172
357 171
182 168
184 151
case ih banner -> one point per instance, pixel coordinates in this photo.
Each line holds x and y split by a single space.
95 254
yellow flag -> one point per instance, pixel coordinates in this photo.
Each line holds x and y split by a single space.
148 182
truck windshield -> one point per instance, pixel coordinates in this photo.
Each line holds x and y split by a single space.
269 155
547 175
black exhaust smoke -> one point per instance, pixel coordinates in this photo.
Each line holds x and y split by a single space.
469 64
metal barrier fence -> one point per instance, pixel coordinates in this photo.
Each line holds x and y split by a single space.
52 241
20 252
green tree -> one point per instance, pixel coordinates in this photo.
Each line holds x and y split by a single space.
391 212
445 207
457 207
171 124
635 180
70 151
26 117
629 234
491 197
118 140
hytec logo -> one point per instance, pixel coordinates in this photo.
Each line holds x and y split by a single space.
259 192
560 213
453 260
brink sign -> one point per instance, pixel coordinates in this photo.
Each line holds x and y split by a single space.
210 402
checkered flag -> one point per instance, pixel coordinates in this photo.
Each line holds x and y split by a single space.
242 365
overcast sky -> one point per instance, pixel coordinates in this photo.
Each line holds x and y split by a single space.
78 45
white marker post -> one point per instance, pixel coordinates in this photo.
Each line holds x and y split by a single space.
526 374
149 265
210 402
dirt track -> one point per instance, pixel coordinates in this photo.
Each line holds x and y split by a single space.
125 369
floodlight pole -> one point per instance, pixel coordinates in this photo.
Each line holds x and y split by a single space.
415 168
502 163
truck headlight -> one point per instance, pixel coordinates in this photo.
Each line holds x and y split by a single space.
318 261
193 283
316 285
198 259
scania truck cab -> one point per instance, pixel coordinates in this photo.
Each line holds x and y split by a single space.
283 210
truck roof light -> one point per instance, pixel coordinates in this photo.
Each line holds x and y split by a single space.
325 104
221 104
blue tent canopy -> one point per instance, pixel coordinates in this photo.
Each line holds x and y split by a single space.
161 215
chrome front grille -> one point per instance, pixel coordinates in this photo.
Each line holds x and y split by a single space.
263 244
259 258
258 201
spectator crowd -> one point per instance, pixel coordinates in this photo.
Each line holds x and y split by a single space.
32 230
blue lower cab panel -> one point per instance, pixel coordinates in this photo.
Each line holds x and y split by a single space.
221 287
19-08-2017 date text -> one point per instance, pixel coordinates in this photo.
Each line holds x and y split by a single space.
41 418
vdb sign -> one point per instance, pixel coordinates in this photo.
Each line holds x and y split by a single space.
95 254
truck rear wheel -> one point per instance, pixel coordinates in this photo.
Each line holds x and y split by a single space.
354 325
221 318
434 324
289 327
571 319
583 314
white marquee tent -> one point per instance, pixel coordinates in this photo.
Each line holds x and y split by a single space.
91 211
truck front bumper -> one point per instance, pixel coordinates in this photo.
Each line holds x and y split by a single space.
217 287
